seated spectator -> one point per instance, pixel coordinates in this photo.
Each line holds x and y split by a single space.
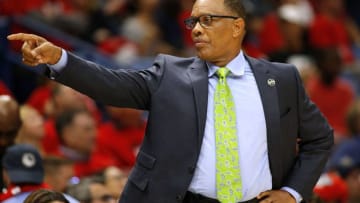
271 36
329 92
330 28
32 128
331 188
293 29
46 196
23 173
114 180
58 172
346 161
63 99
77 134
255 23
91 190
126 128
40 97
142 29
10 123
353 120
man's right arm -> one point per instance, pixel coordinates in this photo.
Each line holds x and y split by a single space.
123 88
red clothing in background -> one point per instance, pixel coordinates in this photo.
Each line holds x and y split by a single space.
120 144
271 39
333 101
327 32
11 7
4 90
39 97
50 141
97 161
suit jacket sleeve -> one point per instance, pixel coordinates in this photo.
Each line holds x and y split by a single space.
122 87
316 140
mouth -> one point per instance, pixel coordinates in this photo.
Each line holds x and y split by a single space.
200 43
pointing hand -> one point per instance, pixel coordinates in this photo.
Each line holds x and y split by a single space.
37 50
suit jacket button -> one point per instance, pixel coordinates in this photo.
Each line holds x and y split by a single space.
179 198
191 170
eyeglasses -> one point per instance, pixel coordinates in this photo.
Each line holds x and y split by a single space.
204 20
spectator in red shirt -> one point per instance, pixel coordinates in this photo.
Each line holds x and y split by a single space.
330 93
272 37
32 129
40 97
331 188
63 99
77 134
126 128
330 29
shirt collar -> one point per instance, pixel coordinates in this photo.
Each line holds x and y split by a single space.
236 66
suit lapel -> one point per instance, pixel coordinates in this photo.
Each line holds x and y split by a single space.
267 85
198 74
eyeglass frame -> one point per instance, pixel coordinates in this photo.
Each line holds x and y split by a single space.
196 20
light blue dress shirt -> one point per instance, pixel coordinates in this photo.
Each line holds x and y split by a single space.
251 131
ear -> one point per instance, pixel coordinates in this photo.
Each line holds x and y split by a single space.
239 28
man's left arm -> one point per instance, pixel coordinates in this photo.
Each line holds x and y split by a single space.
316 141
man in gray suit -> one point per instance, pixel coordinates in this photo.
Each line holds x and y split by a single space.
177 160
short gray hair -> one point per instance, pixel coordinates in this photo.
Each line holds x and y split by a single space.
236 6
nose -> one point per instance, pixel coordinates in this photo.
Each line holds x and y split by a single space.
197 30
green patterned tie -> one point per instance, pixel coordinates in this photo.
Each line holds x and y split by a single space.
228 180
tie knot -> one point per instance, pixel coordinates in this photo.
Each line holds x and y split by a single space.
222 72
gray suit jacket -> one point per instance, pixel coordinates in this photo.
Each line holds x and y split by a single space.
175 91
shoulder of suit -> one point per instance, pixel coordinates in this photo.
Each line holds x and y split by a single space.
274 66
177 61
176 58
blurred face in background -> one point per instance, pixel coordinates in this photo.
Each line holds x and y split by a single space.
66 98
115 180
334 7
100 194
148 5
353 183
80 135
60 177
9 122
32 123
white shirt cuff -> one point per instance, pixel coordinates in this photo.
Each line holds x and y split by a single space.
293 193
60 65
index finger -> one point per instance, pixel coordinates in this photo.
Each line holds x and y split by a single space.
25 37
263 194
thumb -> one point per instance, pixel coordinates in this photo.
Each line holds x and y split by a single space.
47 53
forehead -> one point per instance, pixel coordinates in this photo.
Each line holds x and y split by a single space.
209 7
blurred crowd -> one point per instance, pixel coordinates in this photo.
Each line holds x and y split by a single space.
85 149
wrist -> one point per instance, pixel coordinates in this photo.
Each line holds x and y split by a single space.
294 194
56 56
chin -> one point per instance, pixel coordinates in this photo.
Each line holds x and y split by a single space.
202 55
